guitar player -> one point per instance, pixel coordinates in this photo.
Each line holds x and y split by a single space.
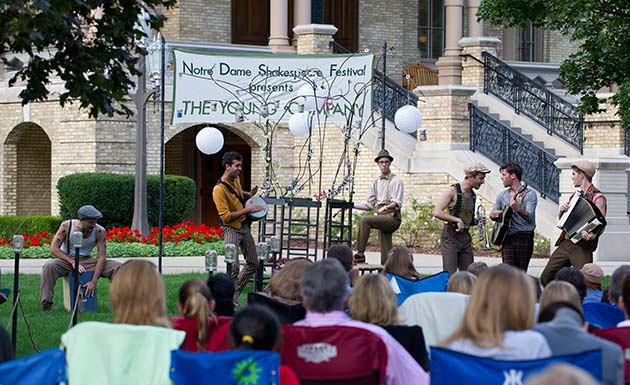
518 245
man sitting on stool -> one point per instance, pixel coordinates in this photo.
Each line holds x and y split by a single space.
386 193
63 264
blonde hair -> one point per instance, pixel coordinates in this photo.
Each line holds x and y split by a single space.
562 374
137 295
286 283
461 282
373 301
502 299
194 301
400 262
557 291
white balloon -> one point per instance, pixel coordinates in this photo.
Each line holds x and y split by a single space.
299 124
209 140
408 119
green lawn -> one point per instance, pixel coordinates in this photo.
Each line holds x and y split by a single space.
46 328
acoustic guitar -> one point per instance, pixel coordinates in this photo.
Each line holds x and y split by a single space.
501 226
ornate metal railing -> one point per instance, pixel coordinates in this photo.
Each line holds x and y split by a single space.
502 145
626 139
558 116
390 98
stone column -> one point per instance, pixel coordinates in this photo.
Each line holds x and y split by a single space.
475 27
472 70
611 177
314 38
450 64
301 15
279 15
604 134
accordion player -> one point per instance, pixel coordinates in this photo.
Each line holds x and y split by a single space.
582 215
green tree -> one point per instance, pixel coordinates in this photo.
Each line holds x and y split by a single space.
88 44
602 29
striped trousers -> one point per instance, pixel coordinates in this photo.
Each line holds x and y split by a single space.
243 239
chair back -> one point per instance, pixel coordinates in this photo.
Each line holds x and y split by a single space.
449 367
620 336
44 368
602 314
404 288
438 314
217 338
287 313
419 75
234 367
334 355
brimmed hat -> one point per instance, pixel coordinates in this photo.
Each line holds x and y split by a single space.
592 273
89 212
476 168
383 154
585 166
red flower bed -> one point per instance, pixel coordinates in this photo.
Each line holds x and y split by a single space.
38 239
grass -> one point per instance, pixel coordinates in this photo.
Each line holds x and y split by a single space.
46 328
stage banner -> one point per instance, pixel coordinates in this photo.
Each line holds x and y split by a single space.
221 88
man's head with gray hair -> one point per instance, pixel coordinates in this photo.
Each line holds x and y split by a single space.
325 286
616 283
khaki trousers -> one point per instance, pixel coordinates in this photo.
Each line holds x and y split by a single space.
567 254
56 268
242 237
386 224
456 249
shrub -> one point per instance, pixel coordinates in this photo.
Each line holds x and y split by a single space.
10 225
113 195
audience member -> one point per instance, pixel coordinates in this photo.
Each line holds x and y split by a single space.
373 301
222 288
343 254
285 284
563 328
609 314
560 291
537 285
6 349
400 262
461 282
498 318
574 277
257 328
593 275
325 292
625 303
562 374
477 268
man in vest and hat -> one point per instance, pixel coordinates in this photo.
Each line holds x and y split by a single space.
457 208
385 195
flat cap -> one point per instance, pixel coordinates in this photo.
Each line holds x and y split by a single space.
89 212
592 273
585 166
383 154
476 168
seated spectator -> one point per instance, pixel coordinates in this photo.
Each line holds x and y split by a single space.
6 348
400 262
606 315
559 291
343 254
593 275
562 374
222 288
498 318
373 301
257 328
574 277
625 303
537 285
325 292
461 282
562 321
477 268
285 284
196 306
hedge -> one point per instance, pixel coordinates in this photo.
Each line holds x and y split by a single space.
112 194
10 225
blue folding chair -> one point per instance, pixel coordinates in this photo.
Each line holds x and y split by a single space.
449 367
235 367
602 314
404 287
45 368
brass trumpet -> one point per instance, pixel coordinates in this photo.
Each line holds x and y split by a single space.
482 228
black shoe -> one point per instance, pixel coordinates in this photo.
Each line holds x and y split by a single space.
47 306
359 258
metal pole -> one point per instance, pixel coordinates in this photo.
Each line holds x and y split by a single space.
259 275
384 88
140 220
76 286
16 285
162 91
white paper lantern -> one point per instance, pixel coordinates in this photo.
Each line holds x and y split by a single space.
312 99
408 119
299 124
209 140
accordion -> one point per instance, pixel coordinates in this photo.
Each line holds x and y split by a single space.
581 215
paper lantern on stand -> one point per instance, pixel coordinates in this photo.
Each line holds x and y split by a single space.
209 140
300 124
408 119
312 99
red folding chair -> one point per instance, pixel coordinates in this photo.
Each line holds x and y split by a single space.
334 355
620 336
217 340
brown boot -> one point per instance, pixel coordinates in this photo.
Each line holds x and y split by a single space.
47 306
